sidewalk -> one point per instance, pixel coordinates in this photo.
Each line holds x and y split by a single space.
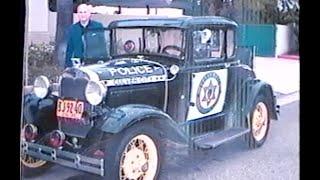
282 74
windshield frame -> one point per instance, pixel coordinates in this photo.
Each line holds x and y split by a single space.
113 45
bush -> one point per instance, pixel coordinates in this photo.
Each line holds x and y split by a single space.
41 62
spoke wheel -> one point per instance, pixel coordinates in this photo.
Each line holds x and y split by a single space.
31 166
32 162
139 160
259 121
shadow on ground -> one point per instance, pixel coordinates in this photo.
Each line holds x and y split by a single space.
179 163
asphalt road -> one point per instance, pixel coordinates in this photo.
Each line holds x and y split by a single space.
277 159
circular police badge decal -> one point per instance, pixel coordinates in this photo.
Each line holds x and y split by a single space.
208 92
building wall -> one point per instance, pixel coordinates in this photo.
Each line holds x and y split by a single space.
42 22
38 21
285 40
282 39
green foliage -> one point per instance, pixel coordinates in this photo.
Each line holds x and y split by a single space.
40 54
40 62
290 15
269 11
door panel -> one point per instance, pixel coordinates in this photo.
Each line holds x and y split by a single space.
208 92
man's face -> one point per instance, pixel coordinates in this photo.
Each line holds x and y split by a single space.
83 12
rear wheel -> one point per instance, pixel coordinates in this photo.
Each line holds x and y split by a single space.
134 154
259 123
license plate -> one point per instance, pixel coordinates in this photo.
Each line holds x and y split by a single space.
70 109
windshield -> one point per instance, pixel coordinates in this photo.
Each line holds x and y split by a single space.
149 40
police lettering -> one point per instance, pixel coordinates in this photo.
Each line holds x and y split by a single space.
145 69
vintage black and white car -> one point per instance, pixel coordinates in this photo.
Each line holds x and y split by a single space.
160 78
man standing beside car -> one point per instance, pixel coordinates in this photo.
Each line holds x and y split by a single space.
76 42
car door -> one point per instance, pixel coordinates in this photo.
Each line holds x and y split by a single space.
209 78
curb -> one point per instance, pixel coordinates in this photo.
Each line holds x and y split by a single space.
289 57
284 99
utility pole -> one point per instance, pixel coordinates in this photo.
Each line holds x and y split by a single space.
64 20
25 63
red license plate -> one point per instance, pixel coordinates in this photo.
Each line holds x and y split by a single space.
70 109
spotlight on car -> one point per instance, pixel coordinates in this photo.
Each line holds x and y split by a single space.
41 86
30 132
174 69
57 138
95 92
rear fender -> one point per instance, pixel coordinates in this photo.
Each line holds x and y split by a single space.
257 87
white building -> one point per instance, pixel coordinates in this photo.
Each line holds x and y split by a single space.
42 22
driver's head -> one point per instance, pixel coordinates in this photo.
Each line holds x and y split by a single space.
84 13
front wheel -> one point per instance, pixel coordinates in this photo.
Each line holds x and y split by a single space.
134 154
31 166
259 123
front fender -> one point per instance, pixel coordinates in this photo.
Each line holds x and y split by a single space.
40 112
256 87
127 115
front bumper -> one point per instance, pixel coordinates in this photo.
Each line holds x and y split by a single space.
65 158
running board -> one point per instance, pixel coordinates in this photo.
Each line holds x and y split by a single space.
214 139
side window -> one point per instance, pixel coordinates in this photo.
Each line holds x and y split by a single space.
230 42
207 43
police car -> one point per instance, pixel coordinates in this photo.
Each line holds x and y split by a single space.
175 78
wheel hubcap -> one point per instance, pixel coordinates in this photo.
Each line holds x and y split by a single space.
139 160
260 121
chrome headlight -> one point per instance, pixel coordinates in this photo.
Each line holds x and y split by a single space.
95 92
41 86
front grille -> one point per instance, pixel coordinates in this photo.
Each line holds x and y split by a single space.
73 88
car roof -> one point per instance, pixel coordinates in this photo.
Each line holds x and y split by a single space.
178 22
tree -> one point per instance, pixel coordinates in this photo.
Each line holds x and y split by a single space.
230 11
288 11
64 20
25 49
213 7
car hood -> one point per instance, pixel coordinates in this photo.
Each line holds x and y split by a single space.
127 71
